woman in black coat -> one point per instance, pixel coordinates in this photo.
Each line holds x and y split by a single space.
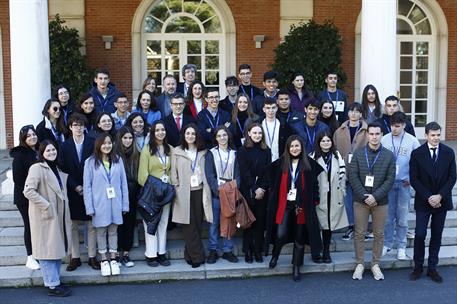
291 215
24 156
254 157
52 127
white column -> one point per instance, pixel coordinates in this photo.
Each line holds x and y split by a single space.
379 46
30 63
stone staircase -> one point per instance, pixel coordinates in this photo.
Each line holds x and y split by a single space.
14 273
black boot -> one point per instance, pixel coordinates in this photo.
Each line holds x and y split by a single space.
273 261
326 256
296 274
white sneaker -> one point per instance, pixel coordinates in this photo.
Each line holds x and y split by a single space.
32 263
105 268
358 272
410 235
401 255
386 250
377 273
115 270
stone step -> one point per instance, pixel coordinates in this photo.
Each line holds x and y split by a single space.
16 276
11 218
6 203
16 255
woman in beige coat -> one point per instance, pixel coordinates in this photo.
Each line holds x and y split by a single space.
192 202
50 224
332 186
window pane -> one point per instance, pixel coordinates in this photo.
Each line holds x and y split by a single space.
171 47
420 120
422 77
421 106
172 63
153 48
212 62
157 77
406 62
421 62
422 48
405 92
212 47
190 6
194 47
421 92
212 26
406 104
151 25
417 14
183 25
197 60
403 7
406 48
212 78
175 6
406 77
423 28
403 28
154 63
205 12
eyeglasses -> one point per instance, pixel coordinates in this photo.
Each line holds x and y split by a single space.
212 97
77 126
55 109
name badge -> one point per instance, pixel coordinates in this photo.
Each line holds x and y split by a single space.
339 106
242 141
194 180
397 169
350 157
292 195
220 182
369 181
110 193
164 178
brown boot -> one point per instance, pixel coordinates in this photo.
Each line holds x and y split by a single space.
74 263
94 263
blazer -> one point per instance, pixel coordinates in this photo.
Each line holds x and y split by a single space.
163 104
428 180
75 169
173 133
207 124
105 211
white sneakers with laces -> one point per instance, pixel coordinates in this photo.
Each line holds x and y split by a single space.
105 268
401 255
32 263
386 250
358 272
115 270
377 273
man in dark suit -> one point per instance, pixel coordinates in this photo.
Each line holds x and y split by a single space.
433 175
176 120
74 151
168 89
189 72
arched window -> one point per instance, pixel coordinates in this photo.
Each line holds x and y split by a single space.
177 32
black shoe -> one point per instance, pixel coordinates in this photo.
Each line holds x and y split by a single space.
273 262
195 265
434 275
152 262
415 275
162 259
74 263
326 258
212 257
229 256
248 257
189 262
349 234
258 257
59 291
94 263
296 274
317 259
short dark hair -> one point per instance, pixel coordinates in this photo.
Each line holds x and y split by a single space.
392 97
398 118
231 80
78 118
101 71
177 96
374 124
209 90
269 100
355 106
244 66
283 92
120 95
188 66
330 72
314 103
432 126
270 75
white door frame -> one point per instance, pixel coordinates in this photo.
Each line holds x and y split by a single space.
2 100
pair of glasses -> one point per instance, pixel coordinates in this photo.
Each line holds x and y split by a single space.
55 109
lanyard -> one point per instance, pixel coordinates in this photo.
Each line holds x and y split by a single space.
397 152
210 120
328 163
226 164
310 140
108 173
163 159
270 138
330 97
355 134
194 163
387 126
56 133
294 178
241 129
251 93
370 167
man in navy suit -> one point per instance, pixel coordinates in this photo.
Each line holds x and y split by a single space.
168 89
433 175
176 120
189 72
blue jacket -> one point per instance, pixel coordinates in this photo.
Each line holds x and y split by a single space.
149 117
105 211
207 124
308 134
105 104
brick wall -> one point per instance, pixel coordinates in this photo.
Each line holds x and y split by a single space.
5 44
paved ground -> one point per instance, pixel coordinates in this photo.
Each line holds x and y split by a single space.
314 288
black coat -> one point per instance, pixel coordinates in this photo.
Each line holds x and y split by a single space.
23 158
44 133
207 124
313 236
153 197
428 180
173 133
71 165
384 121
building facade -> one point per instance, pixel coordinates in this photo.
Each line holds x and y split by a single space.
404 47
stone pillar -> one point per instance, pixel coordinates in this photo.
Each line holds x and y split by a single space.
379 46
30 62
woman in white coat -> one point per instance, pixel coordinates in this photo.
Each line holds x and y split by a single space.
332 187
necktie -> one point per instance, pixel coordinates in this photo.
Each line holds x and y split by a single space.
434 154
178 122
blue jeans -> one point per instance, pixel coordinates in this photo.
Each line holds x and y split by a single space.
227 245
349 204
397 215
50 269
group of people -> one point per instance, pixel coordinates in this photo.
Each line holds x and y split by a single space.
305 165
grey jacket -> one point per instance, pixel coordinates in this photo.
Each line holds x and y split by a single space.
383 172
